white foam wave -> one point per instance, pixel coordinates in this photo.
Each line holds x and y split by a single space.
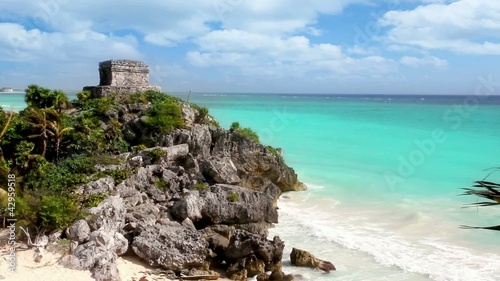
314 186
430 256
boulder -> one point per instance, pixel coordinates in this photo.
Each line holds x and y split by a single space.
172 153
156 181
306 259
277 274
226 204
218 237
172 247
112 242
100 186
147 213
245 244
109 215
251 158
221 170
79 231
96 258
251 266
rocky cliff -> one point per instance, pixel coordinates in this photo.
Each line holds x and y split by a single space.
203 200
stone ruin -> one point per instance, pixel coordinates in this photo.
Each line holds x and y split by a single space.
121 77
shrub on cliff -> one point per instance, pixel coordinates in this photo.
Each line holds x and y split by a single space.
45 98
246 132
165 116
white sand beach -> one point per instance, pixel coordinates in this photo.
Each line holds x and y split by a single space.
48 269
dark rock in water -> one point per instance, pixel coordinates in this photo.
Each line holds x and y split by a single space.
172 247
277 274
306 259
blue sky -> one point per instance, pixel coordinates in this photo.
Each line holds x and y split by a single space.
293 46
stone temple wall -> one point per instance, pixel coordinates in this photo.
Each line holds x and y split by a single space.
121 77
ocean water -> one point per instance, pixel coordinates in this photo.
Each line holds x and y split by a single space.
383 174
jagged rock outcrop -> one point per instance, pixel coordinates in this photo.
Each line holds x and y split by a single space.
79 231
304 258
200 197
172 246
226 204
98 250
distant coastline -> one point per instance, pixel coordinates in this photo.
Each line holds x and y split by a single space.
10 90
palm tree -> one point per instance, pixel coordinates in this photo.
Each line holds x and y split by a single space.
4 168
60 100
56 128
38 121
488 190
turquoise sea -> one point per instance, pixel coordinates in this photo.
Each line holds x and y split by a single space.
383 174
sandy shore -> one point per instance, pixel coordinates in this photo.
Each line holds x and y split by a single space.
48 269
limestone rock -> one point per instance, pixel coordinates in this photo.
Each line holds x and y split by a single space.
113 242
100 186
221 170
108 215
304 258
172 153
244 244
147 213
226 204
251 265
172 247
79 231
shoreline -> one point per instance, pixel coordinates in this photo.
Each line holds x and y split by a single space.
131 268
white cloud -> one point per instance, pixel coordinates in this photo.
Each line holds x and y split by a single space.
464 26
20 44
430 61
258 54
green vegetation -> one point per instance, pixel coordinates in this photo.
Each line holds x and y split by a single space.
233 196
486 190
164 116
138 148
119 175
161 184
39 97
274 151
202 113
156 154
201 186
94 200
246 132
52 152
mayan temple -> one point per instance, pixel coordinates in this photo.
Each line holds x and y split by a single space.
122 77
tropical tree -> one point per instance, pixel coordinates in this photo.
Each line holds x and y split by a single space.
37 119
60 100
488 190
56 128
4 167
45 98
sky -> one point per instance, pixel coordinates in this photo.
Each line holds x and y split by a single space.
257 46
